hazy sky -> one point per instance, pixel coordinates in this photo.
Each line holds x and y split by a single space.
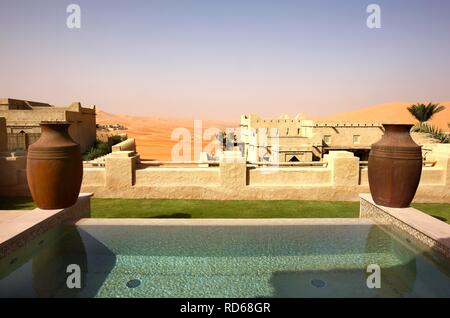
218 59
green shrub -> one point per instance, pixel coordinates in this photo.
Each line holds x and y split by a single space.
99 149
102 147
433 131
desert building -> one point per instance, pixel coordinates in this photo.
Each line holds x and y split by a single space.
286 139
23 119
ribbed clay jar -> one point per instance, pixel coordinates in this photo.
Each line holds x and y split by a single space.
54 167
395 167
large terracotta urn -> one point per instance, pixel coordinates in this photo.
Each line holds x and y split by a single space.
54 167
395 166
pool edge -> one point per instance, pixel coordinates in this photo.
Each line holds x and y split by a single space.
423 227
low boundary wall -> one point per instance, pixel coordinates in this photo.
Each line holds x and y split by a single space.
341 178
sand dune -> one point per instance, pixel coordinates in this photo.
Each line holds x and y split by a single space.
153 134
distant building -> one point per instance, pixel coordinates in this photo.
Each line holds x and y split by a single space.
23 120
111 127
286 139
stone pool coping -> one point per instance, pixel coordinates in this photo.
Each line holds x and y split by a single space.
425 228
17 228
223 222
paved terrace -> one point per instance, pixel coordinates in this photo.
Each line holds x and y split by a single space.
19 227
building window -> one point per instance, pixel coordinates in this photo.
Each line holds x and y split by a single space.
287 131
356 139
298 131
327 139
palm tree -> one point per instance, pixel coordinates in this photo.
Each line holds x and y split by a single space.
227 140
424 113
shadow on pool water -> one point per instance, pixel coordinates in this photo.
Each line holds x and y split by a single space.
42 272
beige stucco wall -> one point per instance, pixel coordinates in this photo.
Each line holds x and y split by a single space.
94 177
82 120
126 145
13 180
31 117
82 128
364 176
433 176
177 176
341 178
342 135
289 176
301 135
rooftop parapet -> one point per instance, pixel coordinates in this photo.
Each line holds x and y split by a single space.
19 104
76 106
300 119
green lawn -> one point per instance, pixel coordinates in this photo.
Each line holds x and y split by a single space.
440 211
146 208
16 204
141 208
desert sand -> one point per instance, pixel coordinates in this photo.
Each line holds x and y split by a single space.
153 134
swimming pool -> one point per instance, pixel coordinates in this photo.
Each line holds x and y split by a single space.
306 259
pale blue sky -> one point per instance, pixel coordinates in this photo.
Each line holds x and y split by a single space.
217 59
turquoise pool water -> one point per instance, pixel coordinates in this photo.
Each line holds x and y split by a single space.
225 261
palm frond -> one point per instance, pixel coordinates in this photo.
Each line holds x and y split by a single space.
424 113
432 131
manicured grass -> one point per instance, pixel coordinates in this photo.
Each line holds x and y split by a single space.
440 211
141 208
16 203
147 208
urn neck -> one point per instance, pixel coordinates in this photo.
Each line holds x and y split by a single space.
55 129
396 136
55 135
398 130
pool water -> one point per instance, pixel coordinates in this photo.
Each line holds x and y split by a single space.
225 261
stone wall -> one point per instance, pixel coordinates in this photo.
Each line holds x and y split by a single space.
126 145
304 138
20 118
340 178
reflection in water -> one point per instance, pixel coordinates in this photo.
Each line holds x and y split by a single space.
224 261
398 280
49 266
41 268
